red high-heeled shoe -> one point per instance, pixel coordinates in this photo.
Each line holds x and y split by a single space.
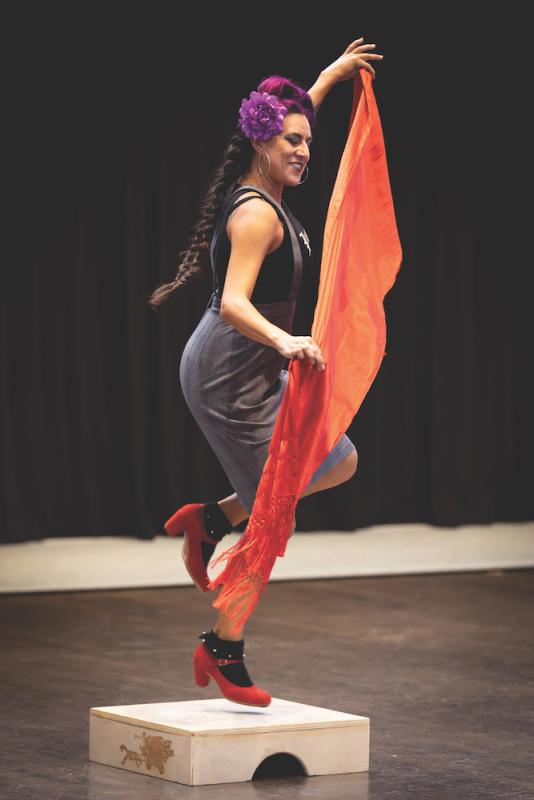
189 519
207 663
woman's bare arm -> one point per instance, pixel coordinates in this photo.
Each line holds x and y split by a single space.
353 58
320 88
254 230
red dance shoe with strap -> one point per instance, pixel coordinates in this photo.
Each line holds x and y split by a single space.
194 520
222 660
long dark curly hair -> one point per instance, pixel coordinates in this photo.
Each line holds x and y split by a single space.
236 161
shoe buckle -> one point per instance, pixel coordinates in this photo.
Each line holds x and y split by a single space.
221 662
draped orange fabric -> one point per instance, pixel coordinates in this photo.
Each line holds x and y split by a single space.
360 261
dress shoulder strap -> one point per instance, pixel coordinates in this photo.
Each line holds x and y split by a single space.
244 200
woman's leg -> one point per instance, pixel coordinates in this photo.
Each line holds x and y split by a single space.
338 474
236 513
222 628
233 509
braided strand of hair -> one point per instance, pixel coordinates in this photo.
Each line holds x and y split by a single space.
194 259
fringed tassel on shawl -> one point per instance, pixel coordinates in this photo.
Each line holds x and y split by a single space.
269 528
250 567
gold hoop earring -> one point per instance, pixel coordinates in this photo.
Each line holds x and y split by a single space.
259 163
306 178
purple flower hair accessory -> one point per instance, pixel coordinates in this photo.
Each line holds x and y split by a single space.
261 115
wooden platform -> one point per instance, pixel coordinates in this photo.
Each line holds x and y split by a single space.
198 742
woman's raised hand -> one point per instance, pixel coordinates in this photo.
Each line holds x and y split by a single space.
354 58
300 347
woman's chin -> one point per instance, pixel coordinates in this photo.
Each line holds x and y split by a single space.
294 178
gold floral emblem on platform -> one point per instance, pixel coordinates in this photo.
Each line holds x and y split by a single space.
155 751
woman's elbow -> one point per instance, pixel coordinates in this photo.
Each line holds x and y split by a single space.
231 307
225 310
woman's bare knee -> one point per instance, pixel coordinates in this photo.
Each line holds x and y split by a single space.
346 468
339 474
352 463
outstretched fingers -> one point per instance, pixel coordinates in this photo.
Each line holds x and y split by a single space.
353 44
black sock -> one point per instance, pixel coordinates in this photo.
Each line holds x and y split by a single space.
226 648
216 522
217 525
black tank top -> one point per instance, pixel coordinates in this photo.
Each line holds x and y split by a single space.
276 273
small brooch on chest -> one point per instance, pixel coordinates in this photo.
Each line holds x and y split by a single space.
306 241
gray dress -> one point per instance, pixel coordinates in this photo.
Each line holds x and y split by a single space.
234 385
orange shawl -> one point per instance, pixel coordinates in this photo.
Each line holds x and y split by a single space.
360 261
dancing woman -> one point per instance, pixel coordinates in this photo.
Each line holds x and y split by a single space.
231 369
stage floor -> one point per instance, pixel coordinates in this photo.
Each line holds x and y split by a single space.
441 664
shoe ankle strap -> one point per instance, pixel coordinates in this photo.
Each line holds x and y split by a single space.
223 649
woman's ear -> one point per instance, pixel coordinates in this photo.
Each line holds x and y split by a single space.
257 146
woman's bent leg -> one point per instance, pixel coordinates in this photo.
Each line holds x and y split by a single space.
233 509
338 474
235 512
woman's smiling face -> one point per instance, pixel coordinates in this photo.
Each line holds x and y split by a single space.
289 151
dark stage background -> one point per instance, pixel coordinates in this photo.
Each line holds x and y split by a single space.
113 120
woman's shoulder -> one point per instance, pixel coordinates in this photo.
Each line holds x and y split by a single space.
238 199
255 202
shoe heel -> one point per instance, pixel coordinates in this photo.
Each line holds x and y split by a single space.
175 524
201 676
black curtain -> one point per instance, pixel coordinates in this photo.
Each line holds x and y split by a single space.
113 122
